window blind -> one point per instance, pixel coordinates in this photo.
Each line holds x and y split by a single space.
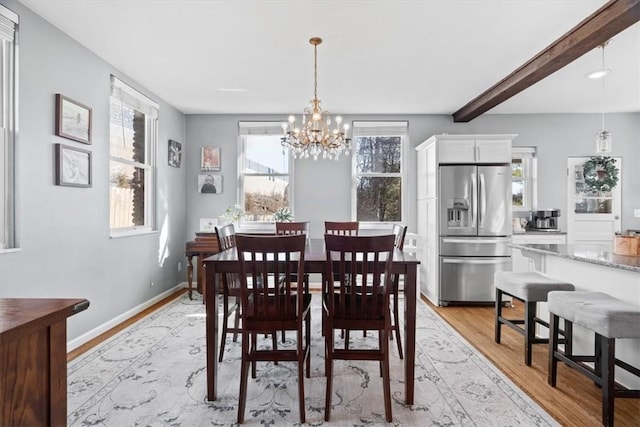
132 97
371 128
260 128
8 22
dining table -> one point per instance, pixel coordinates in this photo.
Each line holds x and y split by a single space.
226 261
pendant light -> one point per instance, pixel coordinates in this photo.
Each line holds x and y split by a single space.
604 140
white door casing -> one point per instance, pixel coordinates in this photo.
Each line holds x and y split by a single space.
591 217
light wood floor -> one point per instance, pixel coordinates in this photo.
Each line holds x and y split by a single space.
575 401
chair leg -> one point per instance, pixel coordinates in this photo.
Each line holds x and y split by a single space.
529 330
396 320
608 362
301 357
254 339
553 347
244 374
225 316
329 373
307 348
498 315
236 323
386 382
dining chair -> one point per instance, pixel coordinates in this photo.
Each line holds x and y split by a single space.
276 305
363 260
230 289
399 231
292 228
348 228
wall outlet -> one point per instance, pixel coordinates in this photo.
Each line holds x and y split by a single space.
179 267
152 284
636 213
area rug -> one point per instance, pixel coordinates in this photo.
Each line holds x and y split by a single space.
153 374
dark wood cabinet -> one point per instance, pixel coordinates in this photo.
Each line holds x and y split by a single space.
33 360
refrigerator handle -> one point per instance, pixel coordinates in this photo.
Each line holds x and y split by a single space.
482 202
474 200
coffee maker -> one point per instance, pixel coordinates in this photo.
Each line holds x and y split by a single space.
544 220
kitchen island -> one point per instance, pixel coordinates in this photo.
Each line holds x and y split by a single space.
592 268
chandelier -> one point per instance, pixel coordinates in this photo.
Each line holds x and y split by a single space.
315 135
604 141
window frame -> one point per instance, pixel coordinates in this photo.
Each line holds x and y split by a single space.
527 155
267 128
9 62
379 129
128 95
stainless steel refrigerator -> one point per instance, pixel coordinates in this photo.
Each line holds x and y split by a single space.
475 230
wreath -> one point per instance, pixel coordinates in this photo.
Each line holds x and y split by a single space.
601 173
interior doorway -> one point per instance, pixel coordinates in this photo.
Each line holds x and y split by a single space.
592 216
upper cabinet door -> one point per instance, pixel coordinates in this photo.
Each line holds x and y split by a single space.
475 151
493 151
457 151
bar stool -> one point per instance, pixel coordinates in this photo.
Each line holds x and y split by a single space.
609 318
530 288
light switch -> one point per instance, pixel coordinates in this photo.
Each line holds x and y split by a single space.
636 213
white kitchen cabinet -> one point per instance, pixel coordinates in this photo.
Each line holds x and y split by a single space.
471 149
524 264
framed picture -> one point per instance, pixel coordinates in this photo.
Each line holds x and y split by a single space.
175 153
208 224
210 159
209 183
73 166
73 119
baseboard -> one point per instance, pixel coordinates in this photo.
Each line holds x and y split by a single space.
84 338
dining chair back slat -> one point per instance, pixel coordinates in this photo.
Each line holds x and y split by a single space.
344 228
286 228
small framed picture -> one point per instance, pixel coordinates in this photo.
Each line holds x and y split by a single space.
73 166
208 225
210 159
73 119
209 183
175 153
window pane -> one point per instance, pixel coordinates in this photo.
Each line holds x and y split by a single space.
263 195
516 168
379 198
378 154
517 192
265 154
127 132
127 196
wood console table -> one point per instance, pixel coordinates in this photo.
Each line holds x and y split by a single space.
33 360
205 244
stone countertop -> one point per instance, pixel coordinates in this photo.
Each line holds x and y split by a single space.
594 254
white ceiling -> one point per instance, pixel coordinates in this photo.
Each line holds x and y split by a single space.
378 57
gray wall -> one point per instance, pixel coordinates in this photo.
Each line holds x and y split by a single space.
322 188
65 249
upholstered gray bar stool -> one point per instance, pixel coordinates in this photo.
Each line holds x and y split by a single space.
530 288
609 318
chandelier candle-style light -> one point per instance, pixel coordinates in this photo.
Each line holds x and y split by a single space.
315 136
604 141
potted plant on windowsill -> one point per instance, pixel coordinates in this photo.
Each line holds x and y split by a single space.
283 215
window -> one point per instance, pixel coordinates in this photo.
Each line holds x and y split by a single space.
265 171
133 138
523 178
8 125
378 175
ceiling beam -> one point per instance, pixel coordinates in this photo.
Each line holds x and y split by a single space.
606 22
